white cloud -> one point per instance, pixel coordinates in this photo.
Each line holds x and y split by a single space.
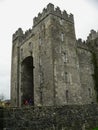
20 13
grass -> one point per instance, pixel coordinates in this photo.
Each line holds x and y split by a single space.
95 128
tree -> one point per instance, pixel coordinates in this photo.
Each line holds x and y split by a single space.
2 97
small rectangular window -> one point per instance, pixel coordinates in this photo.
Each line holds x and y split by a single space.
40 62
41 78
68 78
30 46
64 57
21 53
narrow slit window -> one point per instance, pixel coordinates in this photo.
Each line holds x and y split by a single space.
90 93
67 96
40 41
62 36
66 77
41 78
40 61
21 53
30 46
70 78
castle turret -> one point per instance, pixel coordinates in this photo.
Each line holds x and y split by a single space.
92 41
16 39
86 70
61 43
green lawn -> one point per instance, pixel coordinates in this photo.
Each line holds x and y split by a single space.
95 128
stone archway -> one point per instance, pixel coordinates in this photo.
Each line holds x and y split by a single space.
27 79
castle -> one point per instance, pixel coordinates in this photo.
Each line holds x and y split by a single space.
50 65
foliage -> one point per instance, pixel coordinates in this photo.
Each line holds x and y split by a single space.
95 128
2 97
95 76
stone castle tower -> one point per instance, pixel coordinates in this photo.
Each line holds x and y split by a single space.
50 65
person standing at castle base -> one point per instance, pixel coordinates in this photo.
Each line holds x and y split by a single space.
30 101
26 102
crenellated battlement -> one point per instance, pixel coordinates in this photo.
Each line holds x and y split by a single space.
92 36
19 33
82 44
80 41
55 11
27 33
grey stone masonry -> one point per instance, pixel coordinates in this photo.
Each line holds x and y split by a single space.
54 11
80 117
50 67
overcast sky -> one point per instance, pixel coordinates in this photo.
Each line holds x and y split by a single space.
20 13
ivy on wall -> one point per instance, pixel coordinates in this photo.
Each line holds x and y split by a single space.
95 76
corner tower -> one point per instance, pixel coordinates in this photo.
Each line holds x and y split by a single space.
44 61
17 39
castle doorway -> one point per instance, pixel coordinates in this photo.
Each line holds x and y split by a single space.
27 80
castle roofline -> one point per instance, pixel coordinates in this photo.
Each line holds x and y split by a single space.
83 45
55 11
92 35
20 33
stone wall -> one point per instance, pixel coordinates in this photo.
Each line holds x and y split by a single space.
72 117
86 70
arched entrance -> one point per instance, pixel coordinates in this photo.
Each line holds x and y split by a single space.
27 80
